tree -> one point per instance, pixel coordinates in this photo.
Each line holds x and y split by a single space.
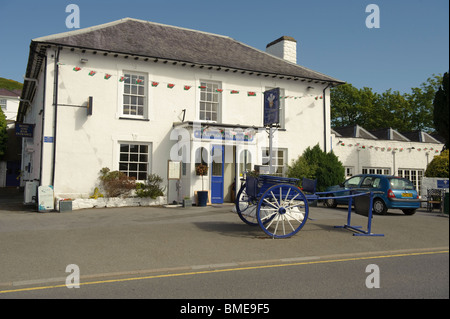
3 134
350 106
440 111
438 167
316 164
421 104
10 84
403 112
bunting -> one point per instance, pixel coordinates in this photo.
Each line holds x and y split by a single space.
187 87
388 148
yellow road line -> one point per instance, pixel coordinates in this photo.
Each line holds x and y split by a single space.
228 270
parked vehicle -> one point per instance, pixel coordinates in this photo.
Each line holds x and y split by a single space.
398 193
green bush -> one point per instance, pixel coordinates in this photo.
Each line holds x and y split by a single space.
316 164
438 167
151 188
116 183
3 134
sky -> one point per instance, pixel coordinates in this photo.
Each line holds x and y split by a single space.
409 46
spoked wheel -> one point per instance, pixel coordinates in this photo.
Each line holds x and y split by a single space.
246 207
282 211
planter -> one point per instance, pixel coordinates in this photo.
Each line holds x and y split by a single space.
83 203
65 206
187 202
202 198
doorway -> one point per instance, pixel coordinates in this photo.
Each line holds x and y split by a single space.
217 174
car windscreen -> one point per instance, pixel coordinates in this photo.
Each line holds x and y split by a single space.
401 183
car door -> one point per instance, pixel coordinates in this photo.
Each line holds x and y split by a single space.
372 183
352 182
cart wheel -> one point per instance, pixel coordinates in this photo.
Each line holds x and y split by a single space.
286 207
246 207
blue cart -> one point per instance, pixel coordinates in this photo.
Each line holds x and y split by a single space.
281 208
274 203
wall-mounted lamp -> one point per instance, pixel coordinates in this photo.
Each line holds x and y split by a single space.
83 60
310 88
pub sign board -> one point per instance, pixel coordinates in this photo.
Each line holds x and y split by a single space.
272 107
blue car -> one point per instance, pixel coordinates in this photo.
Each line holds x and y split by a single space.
398 193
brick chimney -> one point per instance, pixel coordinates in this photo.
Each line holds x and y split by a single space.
284 47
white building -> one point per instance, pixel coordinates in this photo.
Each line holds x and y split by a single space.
385 151
9 104
152 85
10 163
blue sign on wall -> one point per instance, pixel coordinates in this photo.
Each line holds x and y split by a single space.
48 139
24 130
442 183
271 107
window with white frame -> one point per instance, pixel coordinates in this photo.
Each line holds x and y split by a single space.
134 160
3 104
376 170
349 171
134 95
210 101
414 175
245 162
279 159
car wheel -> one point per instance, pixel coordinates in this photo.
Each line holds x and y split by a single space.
409 211
332 203
379 207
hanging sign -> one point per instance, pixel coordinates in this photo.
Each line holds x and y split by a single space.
90 105
271 107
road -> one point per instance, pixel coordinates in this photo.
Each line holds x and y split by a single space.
400 276
207 252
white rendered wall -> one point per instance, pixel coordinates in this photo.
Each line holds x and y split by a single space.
85 144
394 155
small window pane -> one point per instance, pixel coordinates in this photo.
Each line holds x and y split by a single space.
134 157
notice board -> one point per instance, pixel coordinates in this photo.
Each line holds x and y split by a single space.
173 170
46 200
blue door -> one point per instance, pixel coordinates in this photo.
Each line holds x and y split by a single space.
217 157
12 174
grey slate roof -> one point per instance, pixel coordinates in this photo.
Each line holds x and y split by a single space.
154 40
389 134
354 131
420 136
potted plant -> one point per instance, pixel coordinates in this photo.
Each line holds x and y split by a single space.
202 169
187 201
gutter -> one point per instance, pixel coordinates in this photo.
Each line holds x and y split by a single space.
55 104
43 120
330 85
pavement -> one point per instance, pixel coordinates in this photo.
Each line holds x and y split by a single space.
37 247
